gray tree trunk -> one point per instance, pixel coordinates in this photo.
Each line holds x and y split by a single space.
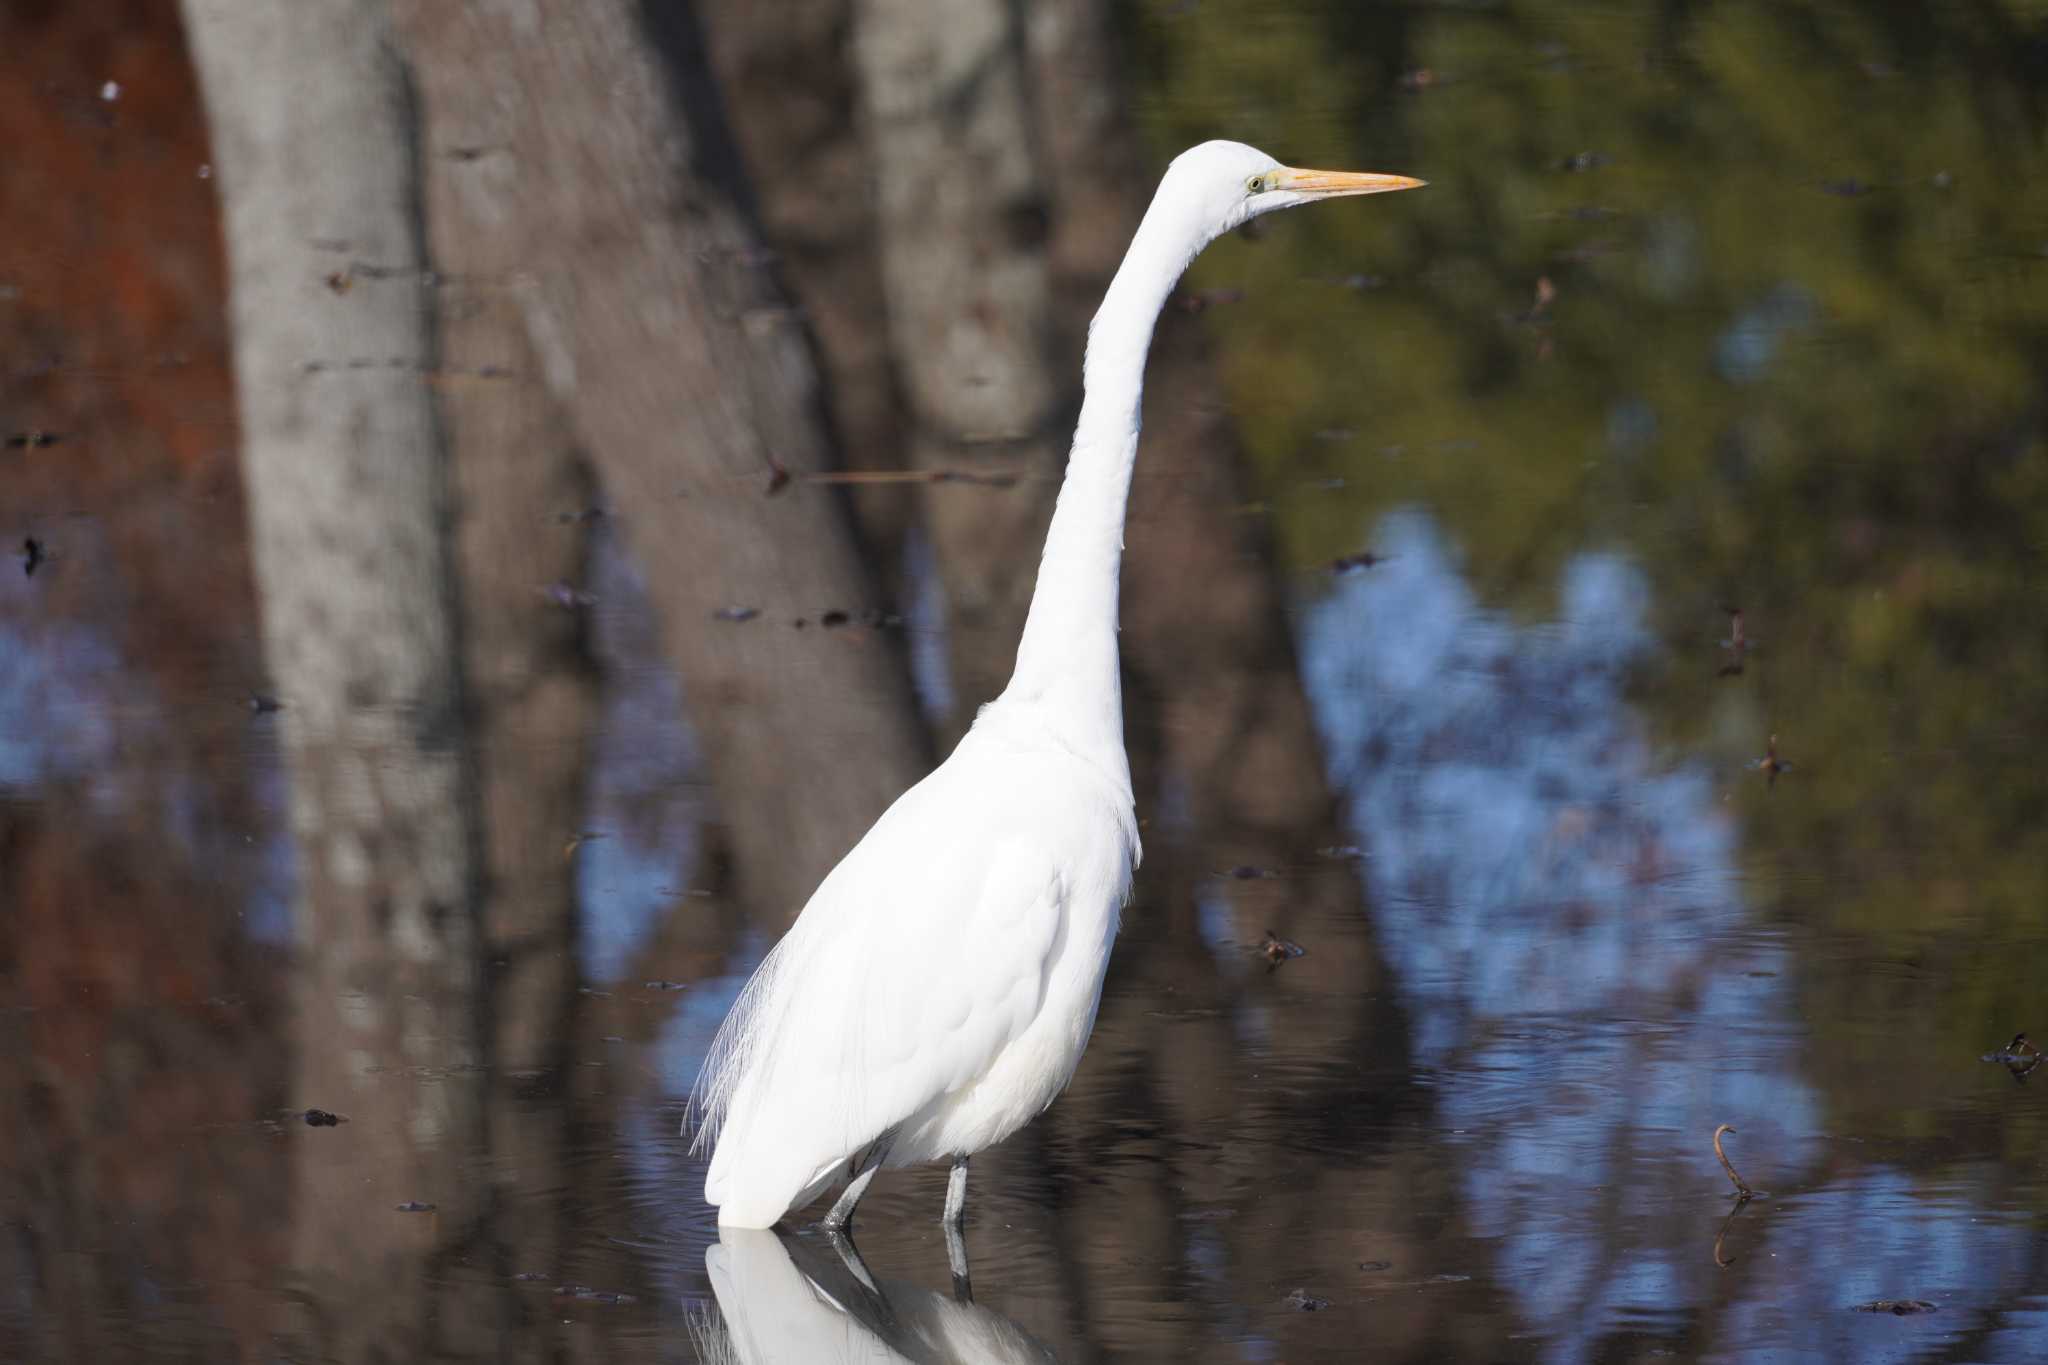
311 113
784 73
689 381
962 217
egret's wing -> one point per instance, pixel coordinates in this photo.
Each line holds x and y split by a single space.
919 959
960 981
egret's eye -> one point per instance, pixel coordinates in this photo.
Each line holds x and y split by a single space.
1255 185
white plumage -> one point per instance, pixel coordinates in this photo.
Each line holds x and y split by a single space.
791 1301
938 989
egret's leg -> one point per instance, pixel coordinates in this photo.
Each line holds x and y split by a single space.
956 1259
841 1216
954 1217
956 1193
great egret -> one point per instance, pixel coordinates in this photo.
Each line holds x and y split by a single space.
937 991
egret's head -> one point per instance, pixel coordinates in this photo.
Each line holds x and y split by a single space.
1220 185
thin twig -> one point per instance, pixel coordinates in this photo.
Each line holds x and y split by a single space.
1742 1191
908 476
1721 1260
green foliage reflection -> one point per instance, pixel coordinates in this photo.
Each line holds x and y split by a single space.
1756 293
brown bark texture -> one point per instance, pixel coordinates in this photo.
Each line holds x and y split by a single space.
689 381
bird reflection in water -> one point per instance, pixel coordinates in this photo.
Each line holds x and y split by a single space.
788 1299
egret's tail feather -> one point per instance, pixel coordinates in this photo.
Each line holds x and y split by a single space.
739 1040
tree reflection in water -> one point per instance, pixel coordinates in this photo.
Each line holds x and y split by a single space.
1591 995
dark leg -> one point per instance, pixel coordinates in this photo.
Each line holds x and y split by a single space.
956 1259
841 1216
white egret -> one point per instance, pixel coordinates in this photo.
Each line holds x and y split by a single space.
937 991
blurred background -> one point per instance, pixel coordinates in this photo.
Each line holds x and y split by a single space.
496 498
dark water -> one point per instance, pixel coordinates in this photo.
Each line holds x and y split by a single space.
1707 307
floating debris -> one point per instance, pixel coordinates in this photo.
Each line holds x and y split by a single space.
1277 950
110 91
532 1276
34 439
1245 872
778 476
583 1293
261 705
1375 1265
1343 851
735 614
667 985
32 556
1304 1302
834 618
1743 1193
321 1118
1897 1307
1770 765
341 281
1364 559
415 1206
2019 1056
578 840
1584 161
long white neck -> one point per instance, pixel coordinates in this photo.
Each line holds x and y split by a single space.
1067 661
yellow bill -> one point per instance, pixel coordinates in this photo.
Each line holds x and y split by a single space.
1335 183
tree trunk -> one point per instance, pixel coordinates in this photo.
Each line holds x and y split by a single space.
963 219
791 93
689 382
311 115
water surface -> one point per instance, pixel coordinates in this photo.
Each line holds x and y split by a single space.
1707 308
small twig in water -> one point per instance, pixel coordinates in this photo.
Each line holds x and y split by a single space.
1742 1192
873 476
1720 1259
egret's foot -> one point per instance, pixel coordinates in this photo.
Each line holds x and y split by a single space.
956 1194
